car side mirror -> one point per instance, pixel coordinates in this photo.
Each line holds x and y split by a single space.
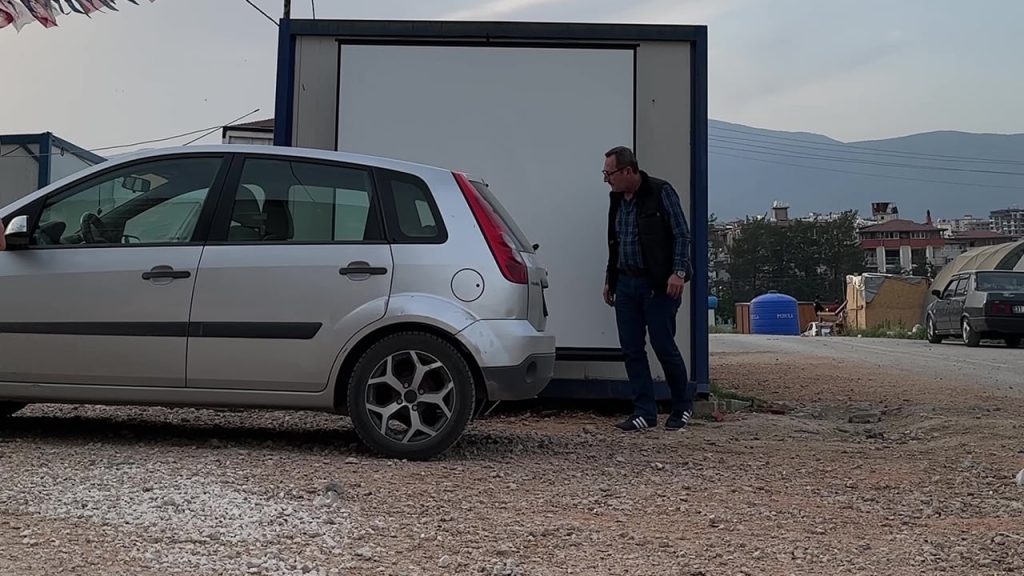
937 294
16 233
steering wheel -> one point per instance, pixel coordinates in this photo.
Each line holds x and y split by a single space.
92 229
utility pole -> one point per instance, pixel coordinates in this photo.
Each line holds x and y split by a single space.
287 9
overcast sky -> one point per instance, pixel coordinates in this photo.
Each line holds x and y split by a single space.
850 69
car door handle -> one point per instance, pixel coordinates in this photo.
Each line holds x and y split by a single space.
357 269
161 273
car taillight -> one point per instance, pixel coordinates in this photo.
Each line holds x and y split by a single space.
998 309
499 238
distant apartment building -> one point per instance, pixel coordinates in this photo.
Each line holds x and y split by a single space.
967 223
896 245
1009 221
961 242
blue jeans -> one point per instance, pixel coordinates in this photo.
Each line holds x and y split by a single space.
638 312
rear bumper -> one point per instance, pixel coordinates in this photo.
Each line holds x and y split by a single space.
994 325
517 361
521 382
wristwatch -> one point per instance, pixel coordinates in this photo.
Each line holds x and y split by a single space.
681 274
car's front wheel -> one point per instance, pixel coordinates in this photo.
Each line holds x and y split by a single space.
933 335
411 396
8 408
970 337
1012 341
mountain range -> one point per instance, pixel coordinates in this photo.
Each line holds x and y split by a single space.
949 173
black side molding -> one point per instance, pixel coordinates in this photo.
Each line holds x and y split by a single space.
263 330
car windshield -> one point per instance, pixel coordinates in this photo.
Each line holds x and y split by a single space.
1001 282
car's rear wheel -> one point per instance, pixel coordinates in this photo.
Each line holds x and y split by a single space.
933 335
1012 341
970 337
411 396
8 408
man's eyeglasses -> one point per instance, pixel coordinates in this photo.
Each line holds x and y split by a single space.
607 173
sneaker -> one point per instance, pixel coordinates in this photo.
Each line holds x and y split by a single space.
634 423
678 421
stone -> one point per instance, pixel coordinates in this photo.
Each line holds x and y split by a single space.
865 418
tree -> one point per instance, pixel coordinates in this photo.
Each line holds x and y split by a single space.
804 259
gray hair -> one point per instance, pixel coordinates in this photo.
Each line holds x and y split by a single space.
624 157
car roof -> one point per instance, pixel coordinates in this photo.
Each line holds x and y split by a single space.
282 151
289 151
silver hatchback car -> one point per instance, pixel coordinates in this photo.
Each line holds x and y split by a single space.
252 276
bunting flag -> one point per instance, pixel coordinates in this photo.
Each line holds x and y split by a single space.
21 12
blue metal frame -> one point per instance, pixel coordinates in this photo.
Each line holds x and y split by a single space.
76 149
42 157
45 143
284 100
699 210
544 33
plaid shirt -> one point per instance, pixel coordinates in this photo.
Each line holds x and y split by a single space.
630 256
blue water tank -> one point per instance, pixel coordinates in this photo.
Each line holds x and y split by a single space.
712 302
774 313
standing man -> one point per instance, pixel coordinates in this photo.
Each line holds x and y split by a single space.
648 266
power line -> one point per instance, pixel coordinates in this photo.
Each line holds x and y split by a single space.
182 135
883 176
787 154
260 10
854 146
219 127
842 148
208 130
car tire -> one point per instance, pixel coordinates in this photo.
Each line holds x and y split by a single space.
1012 341
933 335
8 408
411 396
970 337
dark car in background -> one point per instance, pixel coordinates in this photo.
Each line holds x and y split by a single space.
979 305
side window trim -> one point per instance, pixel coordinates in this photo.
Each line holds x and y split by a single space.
965 286
34 210
222 214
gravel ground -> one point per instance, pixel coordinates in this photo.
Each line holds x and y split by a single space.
794 488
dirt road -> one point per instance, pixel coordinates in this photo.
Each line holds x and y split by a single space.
927 489
992 364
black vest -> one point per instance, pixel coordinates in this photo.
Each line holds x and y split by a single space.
654 228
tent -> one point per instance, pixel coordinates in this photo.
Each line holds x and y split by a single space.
890 300
1009 256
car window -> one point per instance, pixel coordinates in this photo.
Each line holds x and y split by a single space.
155 202
951 288
412 215
961 287
281 200
171 221
1000 282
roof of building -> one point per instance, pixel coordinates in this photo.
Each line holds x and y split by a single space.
265 124
899 226
979 235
